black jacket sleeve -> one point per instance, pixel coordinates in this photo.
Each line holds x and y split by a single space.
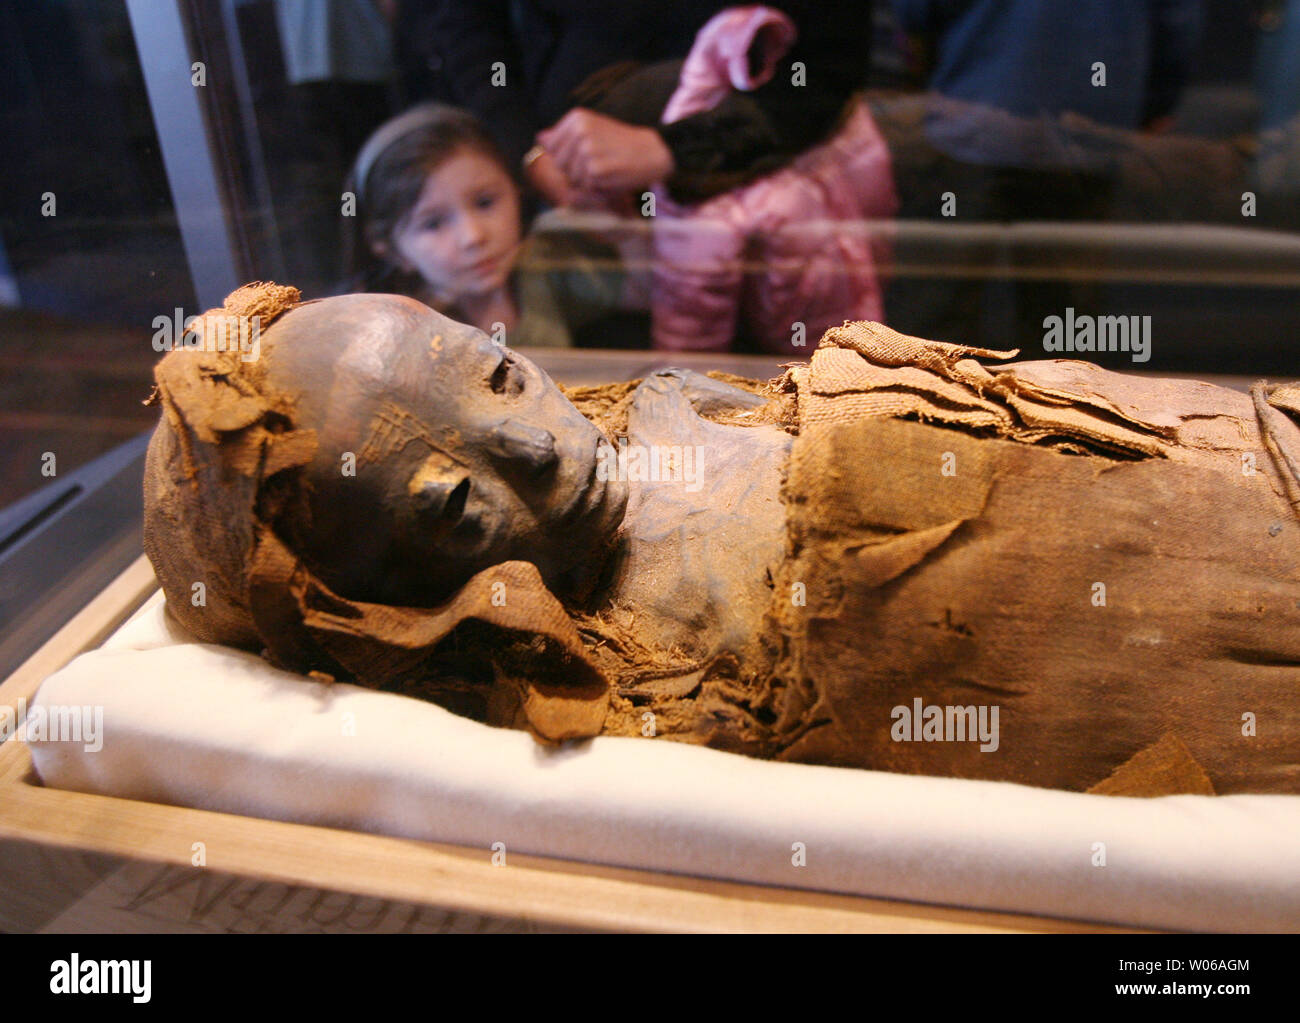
471 37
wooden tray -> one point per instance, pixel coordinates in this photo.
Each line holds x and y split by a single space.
76 862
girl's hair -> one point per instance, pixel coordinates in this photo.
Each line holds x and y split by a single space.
387 178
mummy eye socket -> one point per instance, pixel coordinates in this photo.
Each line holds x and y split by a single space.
440 490
455 506
506 378
500 375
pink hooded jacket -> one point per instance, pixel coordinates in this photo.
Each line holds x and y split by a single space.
787 249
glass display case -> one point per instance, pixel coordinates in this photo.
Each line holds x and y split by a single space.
621 195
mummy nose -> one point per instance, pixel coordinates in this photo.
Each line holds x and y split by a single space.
528 447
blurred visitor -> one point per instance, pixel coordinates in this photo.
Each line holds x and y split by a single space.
1006 78
439 219
525 67
1117 62
783 258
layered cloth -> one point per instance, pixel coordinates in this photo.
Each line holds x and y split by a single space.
223 478
1112 561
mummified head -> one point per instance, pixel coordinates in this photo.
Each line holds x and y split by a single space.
393 451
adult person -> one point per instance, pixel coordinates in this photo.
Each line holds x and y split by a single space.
1013 69
518 66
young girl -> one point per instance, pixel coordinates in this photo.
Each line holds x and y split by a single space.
439 219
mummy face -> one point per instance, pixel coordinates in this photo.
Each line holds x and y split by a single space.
439 453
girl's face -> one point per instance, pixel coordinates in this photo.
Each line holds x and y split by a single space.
463 233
